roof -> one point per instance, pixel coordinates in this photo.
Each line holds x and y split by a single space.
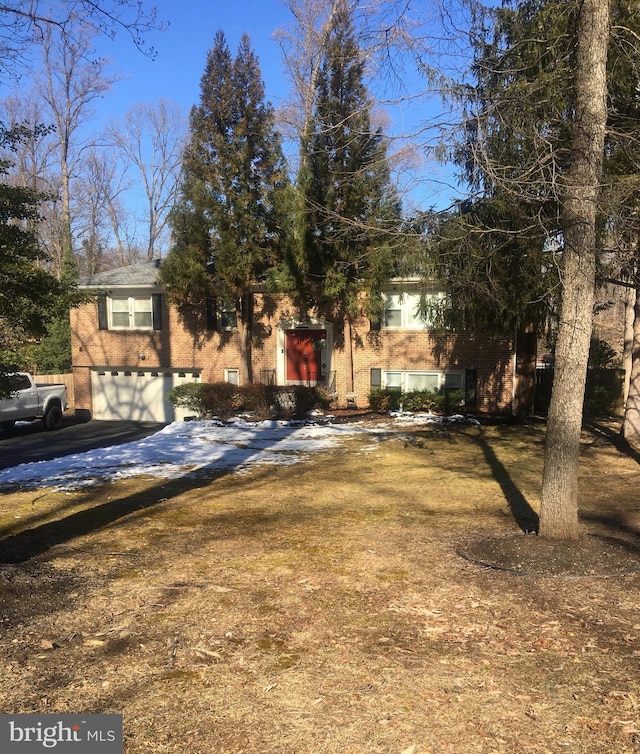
144 274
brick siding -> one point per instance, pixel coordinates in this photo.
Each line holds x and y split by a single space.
210 353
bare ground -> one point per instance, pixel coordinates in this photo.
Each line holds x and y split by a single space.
379 598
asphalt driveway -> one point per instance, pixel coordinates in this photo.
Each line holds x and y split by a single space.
30 442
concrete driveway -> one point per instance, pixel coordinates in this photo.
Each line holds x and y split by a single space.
30 442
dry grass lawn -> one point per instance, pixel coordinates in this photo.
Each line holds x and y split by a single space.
324 608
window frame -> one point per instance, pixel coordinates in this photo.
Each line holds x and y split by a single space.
228 316
228 372
424 373
406 302
135 307
404 375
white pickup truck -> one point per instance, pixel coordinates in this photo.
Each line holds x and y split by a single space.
28 401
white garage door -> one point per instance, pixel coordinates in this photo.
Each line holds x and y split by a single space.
137 395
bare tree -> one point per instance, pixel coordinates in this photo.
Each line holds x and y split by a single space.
303 44
388 33
68 83
31 159
25 22
150 140
93 220
115 185
34 166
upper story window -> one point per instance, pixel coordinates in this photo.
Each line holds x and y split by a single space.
129 312
221 315
410 310
228 316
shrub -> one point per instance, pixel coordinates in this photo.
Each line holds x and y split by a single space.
308 398
604 392
188 396
221 399
255 398
206 399
297 400
385 399
434 401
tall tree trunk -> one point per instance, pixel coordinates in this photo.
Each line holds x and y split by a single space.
630 318
244 318
559 508
631 423
66 242
348 354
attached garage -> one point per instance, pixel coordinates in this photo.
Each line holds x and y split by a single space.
133 395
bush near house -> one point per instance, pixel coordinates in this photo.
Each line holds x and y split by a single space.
603 394
441 401
223 400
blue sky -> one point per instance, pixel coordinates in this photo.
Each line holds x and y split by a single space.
175 72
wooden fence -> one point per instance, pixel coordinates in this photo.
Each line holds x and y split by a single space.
56 379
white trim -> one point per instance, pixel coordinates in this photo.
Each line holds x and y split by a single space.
228 372
131 312
404 375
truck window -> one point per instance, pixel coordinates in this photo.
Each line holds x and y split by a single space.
19 382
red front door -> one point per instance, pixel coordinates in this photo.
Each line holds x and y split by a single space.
304 356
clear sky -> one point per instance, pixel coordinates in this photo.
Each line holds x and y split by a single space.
175 72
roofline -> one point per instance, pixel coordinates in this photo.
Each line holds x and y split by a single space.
107 288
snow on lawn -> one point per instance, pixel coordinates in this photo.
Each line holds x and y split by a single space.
184 447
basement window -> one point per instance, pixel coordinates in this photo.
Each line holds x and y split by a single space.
407 381
232 376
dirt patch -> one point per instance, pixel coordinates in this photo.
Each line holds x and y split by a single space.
324 608
529 555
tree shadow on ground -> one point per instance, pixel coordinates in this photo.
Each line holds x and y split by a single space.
613 521
614 436
525 516
27 544
36 540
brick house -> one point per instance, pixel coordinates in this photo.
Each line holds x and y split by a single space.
129 349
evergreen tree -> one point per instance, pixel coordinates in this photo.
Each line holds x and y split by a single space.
496 262
51 353
533 142
348 205
29 295
499 253
228 226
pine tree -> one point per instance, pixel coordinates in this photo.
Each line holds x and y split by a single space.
533 147
347 201
29 295
228 226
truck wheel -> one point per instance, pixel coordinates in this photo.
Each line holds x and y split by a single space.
53 418
7 426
